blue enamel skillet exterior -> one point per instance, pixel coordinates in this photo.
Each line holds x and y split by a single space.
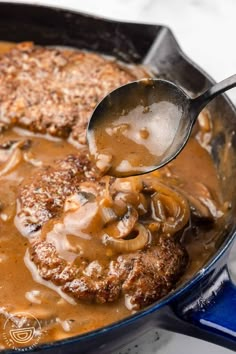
204 307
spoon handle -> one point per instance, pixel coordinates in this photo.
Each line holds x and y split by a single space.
198 103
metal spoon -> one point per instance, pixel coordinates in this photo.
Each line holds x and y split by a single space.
113 140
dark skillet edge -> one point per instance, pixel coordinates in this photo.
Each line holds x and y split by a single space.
167 44
58 27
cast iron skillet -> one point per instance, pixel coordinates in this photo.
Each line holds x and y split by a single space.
205 307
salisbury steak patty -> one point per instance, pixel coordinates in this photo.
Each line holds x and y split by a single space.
142 277
55 90
143 267
42 197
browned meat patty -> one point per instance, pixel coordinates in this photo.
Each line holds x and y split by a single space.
55 90
43 196
143 277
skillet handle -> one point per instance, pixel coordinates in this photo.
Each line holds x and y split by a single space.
219 316
213 317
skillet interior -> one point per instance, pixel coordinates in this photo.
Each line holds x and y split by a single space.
152 45
155 46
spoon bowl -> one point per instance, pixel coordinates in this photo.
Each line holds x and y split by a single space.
141 126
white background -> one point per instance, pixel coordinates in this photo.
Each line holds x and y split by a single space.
206 31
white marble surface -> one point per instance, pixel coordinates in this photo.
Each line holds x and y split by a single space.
206 31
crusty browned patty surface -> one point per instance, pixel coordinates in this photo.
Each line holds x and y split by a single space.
143 277
42 196
55 91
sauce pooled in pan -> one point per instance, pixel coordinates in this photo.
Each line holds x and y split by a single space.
77 250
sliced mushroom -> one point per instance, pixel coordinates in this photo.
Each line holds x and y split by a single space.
201 203
75 201
124 226
12 144
198 208
127 185
7 144
107 212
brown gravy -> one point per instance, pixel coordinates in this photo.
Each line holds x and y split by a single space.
135 141
193 171
20 293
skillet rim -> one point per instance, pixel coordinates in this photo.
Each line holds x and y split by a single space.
209 264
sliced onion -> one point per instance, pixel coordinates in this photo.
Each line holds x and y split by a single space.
158 210
171 205
176 204
28 157
132 245
164 206
11 163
